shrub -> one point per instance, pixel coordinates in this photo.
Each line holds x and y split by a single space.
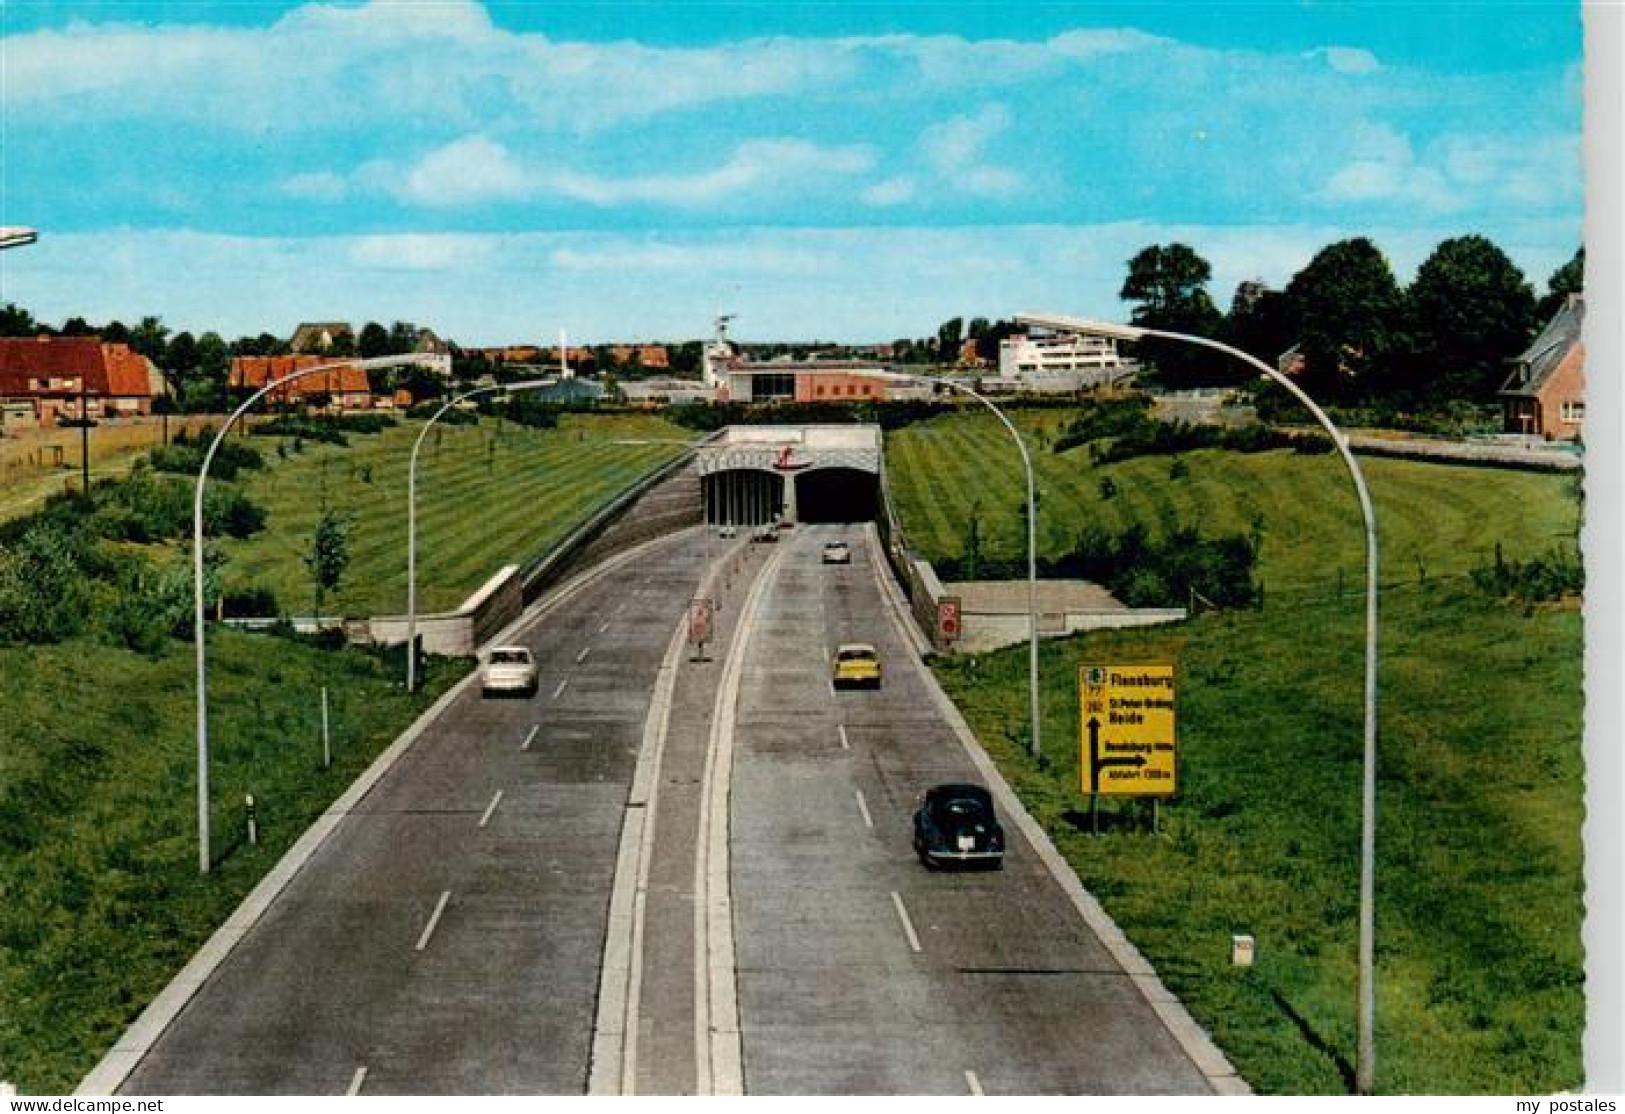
186 458
252 602
1539 579
44 594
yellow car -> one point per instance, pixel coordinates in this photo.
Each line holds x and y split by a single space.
857 665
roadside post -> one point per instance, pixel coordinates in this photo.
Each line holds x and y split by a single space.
327 742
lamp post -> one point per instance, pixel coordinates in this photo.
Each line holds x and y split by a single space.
1032 534
1365 1069
197 572
412 516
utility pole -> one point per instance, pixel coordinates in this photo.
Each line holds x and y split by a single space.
84 439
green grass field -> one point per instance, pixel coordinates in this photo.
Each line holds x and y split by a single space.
487 496
101 902
1437 520
1479 963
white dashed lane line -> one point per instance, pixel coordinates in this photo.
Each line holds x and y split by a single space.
490 808
604 628
530 738
908 925
581 657
558 692
434 919
844 744
973 1083
356 1081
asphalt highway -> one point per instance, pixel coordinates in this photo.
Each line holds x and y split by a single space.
446 938
859 971
523 904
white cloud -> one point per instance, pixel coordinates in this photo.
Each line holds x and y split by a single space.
421 252
317 185
1384 169
956 149
472 170
1347 59
1456 171
781 164
891 191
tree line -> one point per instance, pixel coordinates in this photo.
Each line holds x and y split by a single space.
1360 336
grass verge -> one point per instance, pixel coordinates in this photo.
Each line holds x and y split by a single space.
101 902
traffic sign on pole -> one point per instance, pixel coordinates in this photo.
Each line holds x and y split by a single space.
1127 733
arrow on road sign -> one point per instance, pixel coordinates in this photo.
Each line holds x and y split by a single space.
1097 763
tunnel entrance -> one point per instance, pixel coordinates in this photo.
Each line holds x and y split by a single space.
837 495
742 497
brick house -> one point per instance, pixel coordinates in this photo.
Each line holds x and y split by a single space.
345 387
49 374
1545 393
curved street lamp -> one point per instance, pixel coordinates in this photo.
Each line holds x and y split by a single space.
412 516
423 359
1365 1067
1032 533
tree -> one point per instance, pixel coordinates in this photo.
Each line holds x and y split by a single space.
948 338
15 321
150 338
1346 306
1469 311
180 364
374 341
77 327
403 338
1260 324
1567 279
1169 286
115 332
329 554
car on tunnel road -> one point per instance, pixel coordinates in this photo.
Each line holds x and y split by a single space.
837 553
857 665
509 669
955 825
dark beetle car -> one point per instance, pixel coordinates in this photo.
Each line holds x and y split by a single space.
955 824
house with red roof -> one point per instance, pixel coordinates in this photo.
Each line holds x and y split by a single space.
341 387
1544 395
70 377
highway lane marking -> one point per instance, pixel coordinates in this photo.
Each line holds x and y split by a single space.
434 919
863 807
604 628
908 925
359 1078
530 738
581 657
841 727
490 808
560 690
973 1083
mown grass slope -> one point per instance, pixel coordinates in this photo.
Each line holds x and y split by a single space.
101 901
1434 520
1480 780
488 495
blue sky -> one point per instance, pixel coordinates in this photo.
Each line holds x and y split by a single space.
839 171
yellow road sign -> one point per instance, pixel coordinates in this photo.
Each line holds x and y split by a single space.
1127 730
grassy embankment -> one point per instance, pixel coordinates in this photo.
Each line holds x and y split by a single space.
487 496
1479 962
37 463
100 899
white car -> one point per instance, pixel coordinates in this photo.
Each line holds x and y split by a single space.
837 553
509 669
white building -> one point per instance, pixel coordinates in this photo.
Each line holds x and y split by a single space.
1068 362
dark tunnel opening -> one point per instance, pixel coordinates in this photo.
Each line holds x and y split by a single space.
837 495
